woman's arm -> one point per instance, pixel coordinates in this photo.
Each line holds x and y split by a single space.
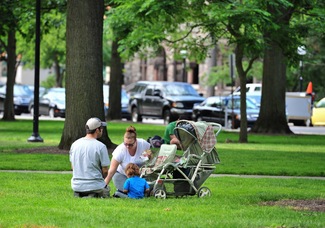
112 170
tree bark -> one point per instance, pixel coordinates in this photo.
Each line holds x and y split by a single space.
272 117
84 64
9 113
58 74
116 81
239 51
212 62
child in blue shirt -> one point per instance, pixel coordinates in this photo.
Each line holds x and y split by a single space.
135 186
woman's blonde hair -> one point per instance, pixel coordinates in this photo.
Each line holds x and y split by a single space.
132 170
130 133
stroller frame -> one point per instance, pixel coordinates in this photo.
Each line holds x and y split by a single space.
188 172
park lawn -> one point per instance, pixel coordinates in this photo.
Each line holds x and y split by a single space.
46 200
30 199
294 155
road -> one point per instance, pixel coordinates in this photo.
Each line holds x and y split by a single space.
297 130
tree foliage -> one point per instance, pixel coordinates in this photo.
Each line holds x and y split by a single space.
271 30
13 14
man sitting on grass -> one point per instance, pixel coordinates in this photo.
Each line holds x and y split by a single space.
89 161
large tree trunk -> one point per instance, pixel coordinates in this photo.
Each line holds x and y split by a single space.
272 117
116 81
84 79
9 113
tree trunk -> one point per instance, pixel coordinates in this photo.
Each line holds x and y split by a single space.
84 64
272 117
116 81
212 62
9 113
239 52
57 69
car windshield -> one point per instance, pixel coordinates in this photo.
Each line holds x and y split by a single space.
124 95
180 90
249 104
19 90
59 96
321 104
22 90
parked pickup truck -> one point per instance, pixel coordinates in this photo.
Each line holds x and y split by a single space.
163 100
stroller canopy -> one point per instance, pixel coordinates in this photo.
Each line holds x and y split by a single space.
198 138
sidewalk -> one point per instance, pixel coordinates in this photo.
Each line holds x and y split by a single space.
213 175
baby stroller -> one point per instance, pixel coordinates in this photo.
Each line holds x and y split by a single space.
171 175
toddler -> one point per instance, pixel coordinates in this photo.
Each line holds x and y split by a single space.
135 186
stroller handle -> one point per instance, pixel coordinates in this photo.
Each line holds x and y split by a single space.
216 125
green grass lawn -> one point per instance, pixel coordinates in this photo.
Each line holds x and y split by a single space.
46 200
294 155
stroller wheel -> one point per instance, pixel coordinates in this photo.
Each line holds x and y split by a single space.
160 194
203 192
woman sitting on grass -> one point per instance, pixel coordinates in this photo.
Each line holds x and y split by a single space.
135 187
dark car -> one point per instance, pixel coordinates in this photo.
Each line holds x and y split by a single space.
51 103
214 109
162 99
41 89
124 102
22 96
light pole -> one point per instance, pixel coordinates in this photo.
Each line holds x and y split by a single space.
35 136
184 54
301 51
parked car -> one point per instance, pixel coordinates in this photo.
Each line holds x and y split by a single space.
124 102
41 89
162 99
22 96
51 103
214 109
255 97
318 113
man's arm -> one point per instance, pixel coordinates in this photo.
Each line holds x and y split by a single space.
104 171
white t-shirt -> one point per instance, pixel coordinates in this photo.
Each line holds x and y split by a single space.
122 155
87 157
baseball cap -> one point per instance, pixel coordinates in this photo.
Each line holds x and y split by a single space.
94 123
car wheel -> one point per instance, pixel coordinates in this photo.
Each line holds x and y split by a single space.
229 124
51 113
135 115
166 116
